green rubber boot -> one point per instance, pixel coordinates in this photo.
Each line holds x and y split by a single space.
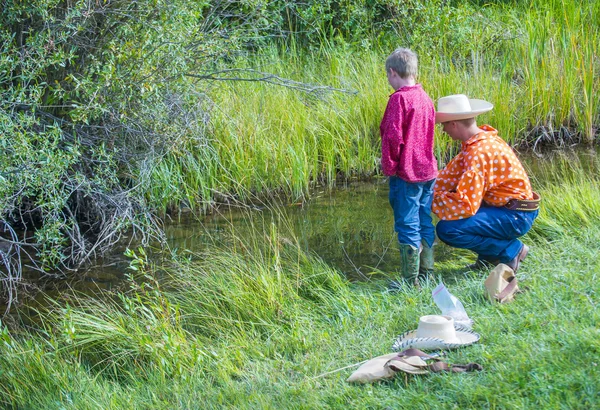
409 263
426 259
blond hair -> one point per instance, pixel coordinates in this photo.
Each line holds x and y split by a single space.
403 61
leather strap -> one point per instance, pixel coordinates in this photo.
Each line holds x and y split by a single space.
438 365
528 205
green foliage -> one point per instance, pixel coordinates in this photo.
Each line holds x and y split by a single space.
106 115
259 288
103 336
88 91
259 323
571 195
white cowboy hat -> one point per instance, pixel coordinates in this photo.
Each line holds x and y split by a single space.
459 107
436 332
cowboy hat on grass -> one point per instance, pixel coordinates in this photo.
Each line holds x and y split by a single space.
436 332
386 367
411 361
501 284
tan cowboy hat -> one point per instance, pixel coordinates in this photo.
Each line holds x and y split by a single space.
373 370
408 364
386 367
501 284
436 332
408 361
459 107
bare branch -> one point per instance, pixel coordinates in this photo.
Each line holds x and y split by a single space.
259 76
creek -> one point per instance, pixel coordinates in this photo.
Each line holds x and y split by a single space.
350 227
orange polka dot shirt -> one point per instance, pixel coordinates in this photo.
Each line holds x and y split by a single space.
486 170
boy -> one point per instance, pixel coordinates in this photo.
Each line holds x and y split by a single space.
407 130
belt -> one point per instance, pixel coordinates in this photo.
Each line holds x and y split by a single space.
528 205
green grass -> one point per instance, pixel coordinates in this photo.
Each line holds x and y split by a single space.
256 322
259 323
534 61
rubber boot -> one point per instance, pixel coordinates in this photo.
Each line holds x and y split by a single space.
426 259
409 268
409 263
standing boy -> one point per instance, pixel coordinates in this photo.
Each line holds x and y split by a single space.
407 130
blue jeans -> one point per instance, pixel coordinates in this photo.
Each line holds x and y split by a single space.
491 233
411 202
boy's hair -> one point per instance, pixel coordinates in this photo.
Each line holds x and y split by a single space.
403 61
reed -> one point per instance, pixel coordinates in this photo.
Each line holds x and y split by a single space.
570 187
535 62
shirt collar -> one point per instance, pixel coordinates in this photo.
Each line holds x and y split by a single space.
487 132
407 88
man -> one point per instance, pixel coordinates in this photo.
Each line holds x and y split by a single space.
483 197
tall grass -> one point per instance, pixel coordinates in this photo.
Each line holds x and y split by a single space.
535 61
571 194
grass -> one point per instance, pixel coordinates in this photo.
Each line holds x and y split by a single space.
260 323
533 60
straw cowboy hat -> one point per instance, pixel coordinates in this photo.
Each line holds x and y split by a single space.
436 332
459 107
412 361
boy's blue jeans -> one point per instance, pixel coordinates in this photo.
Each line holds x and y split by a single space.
411 202
491 233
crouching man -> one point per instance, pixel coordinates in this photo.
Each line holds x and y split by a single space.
483 197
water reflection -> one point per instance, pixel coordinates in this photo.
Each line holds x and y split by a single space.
351 228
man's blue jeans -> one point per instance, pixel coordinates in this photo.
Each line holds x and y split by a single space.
491 233
411 203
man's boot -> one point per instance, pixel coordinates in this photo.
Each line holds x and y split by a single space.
482 264
514 264
426 259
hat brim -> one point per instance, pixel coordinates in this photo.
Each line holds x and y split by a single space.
478 107
409 339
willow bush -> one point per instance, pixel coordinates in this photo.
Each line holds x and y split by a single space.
92 93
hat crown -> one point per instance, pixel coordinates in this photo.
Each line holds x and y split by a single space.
454 104
438 326
460 107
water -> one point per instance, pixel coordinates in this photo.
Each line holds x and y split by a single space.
349 227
